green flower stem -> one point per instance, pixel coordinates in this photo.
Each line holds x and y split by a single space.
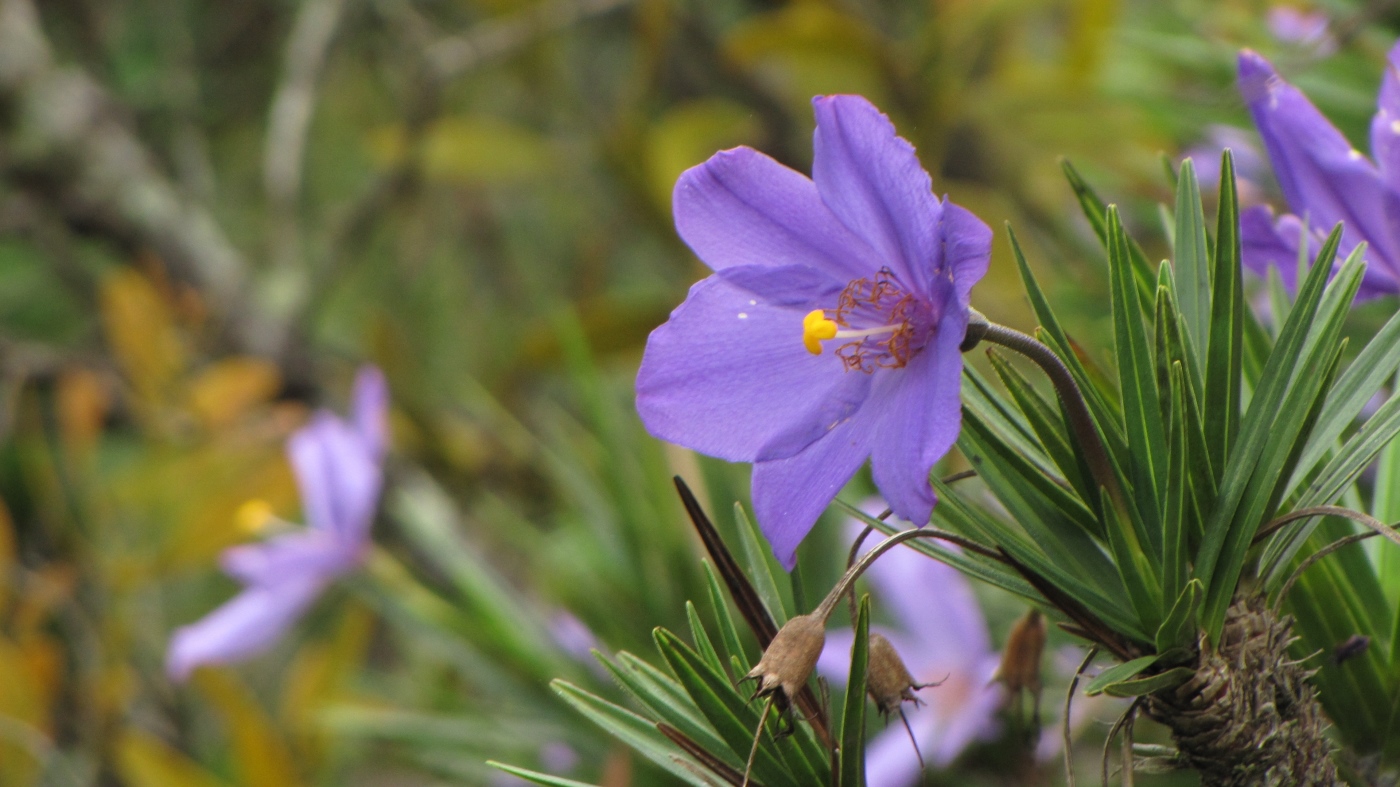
979 329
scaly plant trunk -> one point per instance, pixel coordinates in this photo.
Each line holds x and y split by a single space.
1249 717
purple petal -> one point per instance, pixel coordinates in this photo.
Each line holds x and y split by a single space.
302 553
370 409
965 707
921 414
743 208
241 628
338 476
1265 243
789 494
872 180
967 248
728 376
1321 174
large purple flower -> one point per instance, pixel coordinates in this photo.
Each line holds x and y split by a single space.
943 637
829 331
338 467
1324 179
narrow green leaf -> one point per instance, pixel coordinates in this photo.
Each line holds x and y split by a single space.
1354 456
853 715
1097 211
1142 414
1225 348
728 634
1179 629
660 695
1175 530
1142 686
1048 424
1373 367
539 778
778 761
1118 673
1192 261
702 637
760 566
1266 437
629 728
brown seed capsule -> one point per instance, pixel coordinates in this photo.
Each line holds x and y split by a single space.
888 681
1020 662
1350 648
790 658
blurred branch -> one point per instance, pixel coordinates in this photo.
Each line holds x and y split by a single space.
454 56
64 137
294 101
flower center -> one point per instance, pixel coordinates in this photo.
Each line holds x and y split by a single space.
876 317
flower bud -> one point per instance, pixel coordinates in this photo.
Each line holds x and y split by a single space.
887 680
790 658
1020 662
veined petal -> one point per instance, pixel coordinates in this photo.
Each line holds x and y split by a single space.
743 208
369 409
920 417
789 494
244 627
728 375
305 553
872 180
337 475
967 249
1320 173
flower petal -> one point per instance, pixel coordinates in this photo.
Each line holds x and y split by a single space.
728 376
872 180
1265 243
789 494
303 553
1321 174
967 248
338 476
921 415
1385 126
241 628
743 208
369 409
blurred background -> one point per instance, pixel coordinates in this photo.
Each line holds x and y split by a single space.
212 213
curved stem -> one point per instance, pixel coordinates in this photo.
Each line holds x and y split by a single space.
1080 421
823 611
1367 520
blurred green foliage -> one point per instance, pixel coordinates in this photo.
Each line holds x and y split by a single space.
477 201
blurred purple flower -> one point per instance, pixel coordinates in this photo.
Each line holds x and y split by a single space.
1251 167
1296 26
1324 178
943 638
338 467
863 254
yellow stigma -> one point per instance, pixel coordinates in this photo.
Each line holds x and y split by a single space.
815 328
254 516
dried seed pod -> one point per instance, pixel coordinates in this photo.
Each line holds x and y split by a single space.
790 658
1350 648
1020 662
888 681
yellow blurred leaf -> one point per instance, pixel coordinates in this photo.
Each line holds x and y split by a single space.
227 389
687 135
144 760
260 753
82 407
141 331
810 49
318 675
470 150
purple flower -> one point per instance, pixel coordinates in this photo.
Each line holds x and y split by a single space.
1295 26
338 467
943 638
829 331
1324 178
